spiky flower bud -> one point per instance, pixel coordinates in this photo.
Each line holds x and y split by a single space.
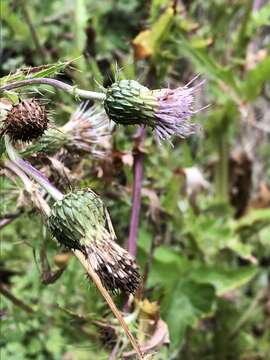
81 221
166 111
26 121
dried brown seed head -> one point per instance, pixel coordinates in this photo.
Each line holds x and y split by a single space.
26 121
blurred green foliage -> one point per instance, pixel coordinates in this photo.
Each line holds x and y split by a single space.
209 270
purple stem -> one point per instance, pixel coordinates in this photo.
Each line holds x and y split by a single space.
136 197
40 179
57 84
28 169
257 4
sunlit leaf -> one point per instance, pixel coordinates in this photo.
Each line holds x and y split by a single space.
224 280
184 306
147 42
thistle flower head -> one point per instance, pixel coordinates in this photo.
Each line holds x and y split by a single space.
26 121
87 131
81 221
167 111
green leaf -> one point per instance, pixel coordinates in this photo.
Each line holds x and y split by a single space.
256 78
170 200
254 221
184 306
223 280
19 28
206 64
49 70
156 6
55 341
259 18
213 234
167 265
12 96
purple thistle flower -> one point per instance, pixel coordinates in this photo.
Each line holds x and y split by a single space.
167 111
173 116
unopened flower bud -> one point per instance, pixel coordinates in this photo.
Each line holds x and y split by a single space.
166 111
81 221
26 121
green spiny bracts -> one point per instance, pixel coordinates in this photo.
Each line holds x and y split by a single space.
166 111
81 221
49 143
128 102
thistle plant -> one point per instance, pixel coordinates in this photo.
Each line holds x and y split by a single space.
168 112
79 220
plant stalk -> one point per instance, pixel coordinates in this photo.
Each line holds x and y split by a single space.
80 256
85 94
137 189
27 168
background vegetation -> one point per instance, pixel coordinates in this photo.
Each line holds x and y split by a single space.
204 238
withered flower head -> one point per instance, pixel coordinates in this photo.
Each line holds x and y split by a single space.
26 121
167 111
87 131
81 221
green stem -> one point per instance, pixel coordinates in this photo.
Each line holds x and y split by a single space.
85 94
221 338
248 313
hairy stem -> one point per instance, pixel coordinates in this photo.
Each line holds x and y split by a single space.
136 197
85 94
